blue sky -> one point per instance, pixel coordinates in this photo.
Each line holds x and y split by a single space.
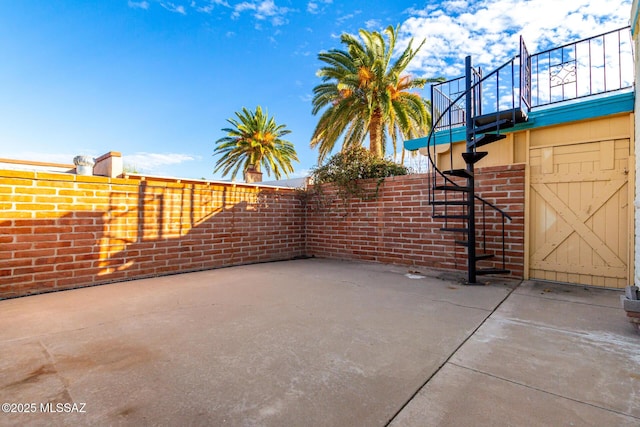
156 80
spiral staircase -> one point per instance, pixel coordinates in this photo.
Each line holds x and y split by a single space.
485 106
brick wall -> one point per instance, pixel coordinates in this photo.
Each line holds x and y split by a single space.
60 231
397 227
504 187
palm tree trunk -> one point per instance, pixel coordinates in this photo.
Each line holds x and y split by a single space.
375 134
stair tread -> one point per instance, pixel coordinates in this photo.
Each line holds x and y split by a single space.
449 203
486 139
480 257
458 172
474 157
493 126
517 113
452 188
451 216
455 229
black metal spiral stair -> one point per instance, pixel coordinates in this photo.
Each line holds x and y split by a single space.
453 197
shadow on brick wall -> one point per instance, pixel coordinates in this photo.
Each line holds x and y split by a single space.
149 230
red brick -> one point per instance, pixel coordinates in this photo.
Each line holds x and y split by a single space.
254 230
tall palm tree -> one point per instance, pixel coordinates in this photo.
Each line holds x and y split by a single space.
255 141
366 93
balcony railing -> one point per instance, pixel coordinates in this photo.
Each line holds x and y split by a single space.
589 67
593 66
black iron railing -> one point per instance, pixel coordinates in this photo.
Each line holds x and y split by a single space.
442 100
506 88
447 103
449 195
593 66
588 67
501 90
484 105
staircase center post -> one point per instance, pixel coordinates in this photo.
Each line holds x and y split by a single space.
471 239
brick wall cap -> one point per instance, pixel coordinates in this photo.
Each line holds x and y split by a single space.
107 155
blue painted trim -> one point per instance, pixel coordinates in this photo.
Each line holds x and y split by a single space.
548 116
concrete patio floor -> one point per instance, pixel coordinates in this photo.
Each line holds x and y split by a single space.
320 343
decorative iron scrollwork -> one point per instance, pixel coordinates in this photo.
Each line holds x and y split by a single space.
563 74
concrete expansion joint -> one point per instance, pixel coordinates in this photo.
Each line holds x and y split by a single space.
530 387
52 362
435 372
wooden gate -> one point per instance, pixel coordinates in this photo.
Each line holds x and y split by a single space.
579 213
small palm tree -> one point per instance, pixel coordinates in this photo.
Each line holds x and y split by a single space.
366 93
254 141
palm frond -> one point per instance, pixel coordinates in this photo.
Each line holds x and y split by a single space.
366 92
254 140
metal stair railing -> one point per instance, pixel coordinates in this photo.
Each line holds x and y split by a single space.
447 119
592 66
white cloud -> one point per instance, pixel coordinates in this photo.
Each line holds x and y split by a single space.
150 162
348 16
241 7
138 4
267 8
454 6
172 7
278 20
303 49
318 6
204 9
489 30
263 10
208 5
373 24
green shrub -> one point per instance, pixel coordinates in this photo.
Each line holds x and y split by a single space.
348 166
